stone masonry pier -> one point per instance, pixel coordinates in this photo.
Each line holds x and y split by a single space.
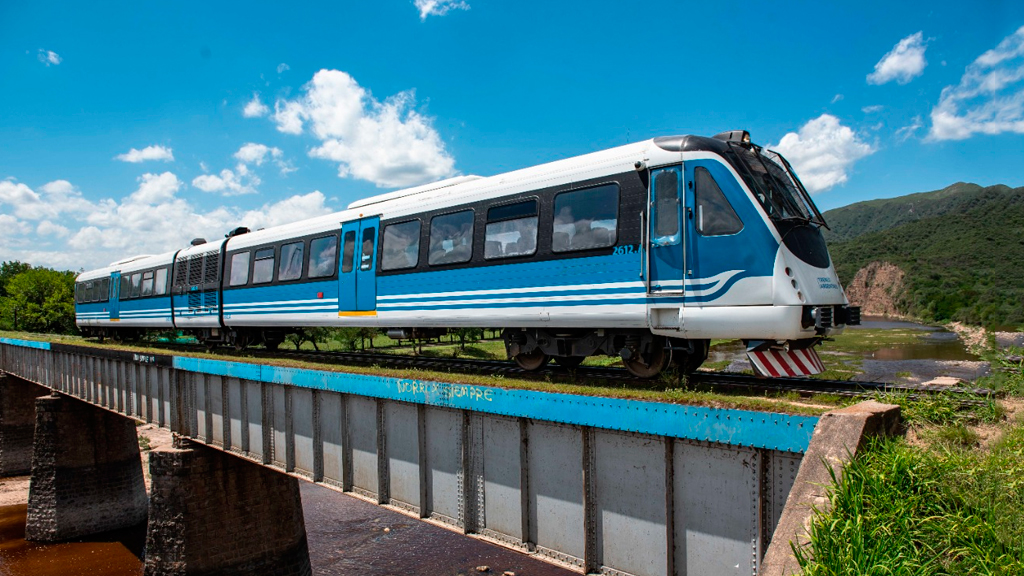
17 424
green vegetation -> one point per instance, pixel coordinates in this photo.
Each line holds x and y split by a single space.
960 249
36 299
939 502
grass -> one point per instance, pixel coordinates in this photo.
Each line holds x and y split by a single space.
944 504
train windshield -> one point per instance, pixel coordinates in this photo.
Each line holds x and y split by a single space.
776 185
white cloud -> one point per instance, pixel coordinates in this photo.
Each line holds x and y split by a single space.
388 143
837 98
989 98
903 63
147 153
823 152
47 228
282 67
229 183
255 108
49 57
907 132
253 153
872 109
150 220
438 7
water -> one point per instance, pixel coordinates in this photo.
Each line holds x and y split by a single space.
937 343
346 537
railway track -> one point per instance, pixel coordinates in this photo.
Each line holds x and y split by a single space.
714 380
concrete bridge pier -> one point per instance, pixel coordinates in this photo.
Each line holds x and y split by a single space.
17 424
86 472
215 513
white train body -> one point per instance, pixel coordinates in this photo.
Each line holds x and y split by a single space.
648 251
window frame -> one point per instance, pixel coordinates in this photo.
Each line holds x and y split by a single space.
332 269
273 264
472 237
554 213
281 260
539 208
698 223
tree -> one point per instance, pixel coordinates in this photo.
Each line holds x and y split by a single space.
9 270
40 300
468 335
313 335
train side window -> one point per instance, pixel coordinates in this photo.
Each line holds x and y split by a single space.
349 251
147 284
511 230
451 238
160 284
401 246
126 283
239 269
715 215
323 253
136 284
290 267
263 266
369 241
585 219
78 292
88 292
666 208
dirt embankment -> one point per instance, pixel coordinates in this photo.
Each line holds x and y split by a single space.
876 288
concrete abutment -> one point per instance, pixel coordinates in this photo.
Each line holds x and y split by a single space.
86 472
214 513
17 424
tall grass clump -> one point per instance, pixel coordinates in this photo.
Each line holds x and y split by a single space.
904 510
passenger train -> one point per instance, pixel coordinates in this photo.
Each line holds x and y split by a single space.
646 251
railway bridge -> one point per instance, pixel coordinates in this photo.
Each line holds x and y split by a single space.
607 486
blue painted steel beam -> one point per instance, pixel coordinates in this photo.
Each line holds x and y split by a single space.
727 426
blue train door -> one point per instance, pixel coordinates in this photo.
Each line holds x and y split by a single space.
667 258
114 296
358 290
716 249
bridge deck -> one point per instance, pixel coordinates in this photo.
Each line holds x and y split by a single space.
606 485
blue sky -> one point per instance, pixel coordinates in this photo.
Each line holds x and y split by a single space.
131 128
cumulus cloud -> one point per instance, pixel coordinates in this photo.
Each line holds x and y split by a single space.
903 63
147 153
438 7
282 67
255 108
388 143
823 152
228 182
253 153
49 57
989 98
152 219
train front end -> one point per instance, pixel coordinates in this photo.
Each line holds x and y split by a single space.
804 277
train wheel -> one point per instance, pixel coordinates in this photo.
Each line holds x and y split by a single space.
241 341
531 361
688 363
569 362
659 360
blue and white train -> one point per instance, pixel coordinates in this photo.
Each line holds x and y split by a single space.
647 252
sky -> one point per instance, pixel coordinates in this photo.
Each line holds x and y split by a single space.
131 128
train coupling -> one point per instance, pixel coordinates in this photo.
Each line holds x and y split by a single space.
823 318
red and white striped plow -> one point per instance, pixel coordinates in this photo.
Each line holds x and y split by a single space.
777 363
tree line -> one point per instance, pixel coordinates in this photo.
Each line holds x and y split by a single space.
37 299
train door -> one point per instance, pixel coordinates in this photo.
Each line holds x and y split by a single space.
358 278
667 258
114 296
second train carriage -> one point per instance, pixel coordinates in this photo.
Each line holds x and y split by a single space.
646 251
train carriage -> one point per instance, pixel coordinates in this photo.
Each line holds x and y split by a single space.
647 251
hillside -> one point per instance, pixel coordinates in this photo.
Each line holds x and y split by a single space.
877 215
961 250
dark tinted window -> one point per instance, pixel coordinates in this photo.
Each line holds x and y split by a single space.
349 251
666 204
401 246
126 291
369 239
147 284
451 238
585 219
290 267
239 269
136 284
263 266
715 216
160 285
323 253
511 230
